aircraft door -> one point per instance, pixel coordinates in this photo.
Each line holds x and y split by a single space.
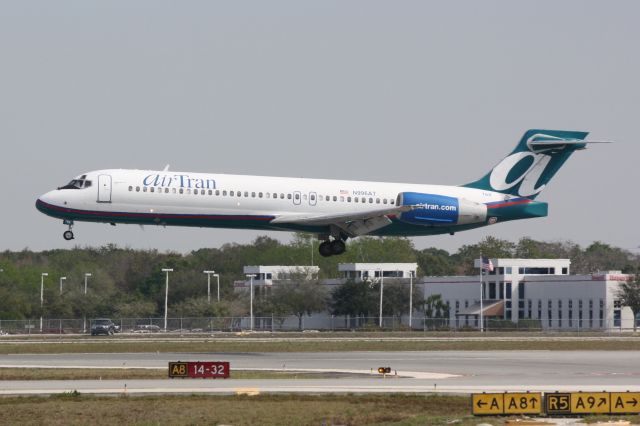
104 188
297 198
313 198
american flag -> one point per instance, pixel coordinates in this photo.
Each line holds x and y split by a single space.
486 264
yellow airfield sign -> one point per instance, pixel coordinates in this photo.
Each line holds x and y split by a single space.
589 402
487 403
523 403
625 402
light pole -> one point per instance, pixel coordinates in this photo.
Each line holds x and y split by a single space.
381 293
251 277
42 275
410 298
218 281
61 279
209 273
84 318
166 296
86 276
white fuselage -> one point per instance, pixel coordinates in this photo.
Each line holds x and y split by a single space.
126 195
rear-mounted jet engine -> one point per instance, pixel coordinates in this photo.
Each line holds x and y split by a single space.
440 210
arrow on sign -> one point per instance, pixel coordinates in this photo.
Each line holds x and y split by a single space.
633 401
602 402
480 404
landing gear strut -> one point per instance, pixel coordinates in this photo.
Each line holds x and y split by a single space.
68 235
331 247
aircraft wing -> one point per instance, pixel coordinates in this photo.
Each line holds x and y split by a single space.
353 223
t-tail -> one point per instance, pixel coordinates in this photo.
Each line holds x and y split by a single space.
535 160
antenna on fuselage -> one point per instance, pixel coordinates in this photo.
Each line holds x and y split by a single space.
166 168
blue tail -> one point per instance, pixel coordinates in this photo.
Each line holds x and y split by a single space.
527 170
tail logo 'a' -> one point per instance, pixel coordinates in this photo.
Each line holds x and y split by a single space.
537 157
506 175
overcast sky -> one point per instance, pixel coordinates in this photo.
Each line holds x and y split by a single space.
401 91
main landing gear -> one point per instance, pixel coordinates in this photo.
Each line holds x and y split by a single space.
332 247
68 235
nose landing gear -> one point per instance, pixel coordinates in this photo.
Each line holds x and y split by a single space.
68 235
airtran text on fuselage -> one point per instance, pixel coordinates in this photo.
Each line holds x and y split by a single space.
178 181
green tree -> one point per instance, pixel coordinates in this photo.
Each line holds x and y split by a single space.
301 295
354 298
489 247
629 295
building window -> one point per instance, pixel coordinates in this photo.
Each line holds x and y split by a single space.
570 313
539 309
565 271
601 313
130 188
560 313
507 270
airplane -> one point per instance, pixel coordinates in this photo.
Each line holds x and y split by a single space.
334 210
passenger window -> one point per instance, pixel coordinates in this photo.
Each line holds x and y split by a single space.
130 188
195 192
391 202
282 196
173 190
377 200
181 191
189 191
327 198
166 190
275 195
268 194
239 194
335 198
152 189
144 189
297 196
217 192
224 193
231 193
384 201
348 199
259 194
253 195
313 197
342 199
288 196
246 194
210 192
371 200
356 199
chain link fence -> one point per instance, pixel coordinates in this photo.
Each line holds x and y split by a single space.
320 323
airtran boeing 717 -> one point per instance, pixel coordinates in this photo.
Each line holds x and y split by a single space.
334 210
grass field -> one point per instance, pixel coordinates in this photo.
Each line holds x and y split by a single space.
74 409
229 345
139 373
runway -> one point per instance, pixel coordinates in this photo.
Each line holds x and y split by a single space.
417 372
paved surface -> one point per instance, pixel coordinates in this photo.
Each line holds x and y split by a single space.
447 371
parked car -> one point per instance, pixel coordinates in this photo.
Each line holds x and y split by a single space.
146 328
103 326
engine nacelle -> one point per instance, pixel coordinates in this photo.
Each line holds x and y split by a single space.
440 210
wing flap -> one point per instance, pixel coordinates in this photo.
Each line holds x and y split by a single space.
353 223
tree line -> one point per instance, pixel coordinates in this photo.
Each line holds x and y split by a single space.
128 283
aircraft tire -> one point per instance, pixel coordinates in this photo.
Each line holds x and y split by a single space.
67 235
325 249
337 247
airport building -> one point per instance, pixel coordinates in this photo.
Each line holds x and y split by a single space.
533 293
522 293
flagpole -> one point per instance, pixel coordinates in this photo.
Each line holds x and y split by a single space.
481 310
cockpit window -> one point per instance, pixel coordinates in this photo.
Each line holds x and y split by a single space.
80 183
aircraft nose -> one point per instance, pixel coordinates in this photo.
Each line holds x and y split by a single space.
45 202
